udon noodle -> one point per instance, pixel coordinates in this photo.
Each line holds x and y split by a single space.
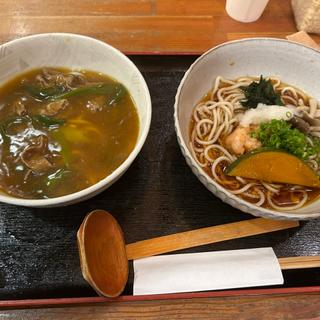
216 116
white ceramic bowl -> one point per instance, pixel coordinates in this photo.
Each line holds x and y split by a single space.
293 63
76 51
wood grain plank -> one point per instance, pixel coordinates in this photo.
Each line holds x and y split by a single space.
145 33
156 26
295 307
126 33
215 7
71 8
145 25
182 7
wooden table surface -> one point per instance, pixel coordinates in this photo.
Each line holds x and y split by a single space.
164 27
270 307
157 26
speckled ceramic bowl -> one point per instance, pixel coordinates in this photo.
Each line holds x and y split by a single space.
293 63
77 52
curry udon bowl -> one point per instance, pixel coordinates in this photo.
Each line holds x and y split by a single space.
293 63
77 52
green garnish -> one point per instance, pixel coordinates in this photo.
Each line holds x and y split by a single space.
48 121
279 134
260 92
100 89
65 147
114 92
53 179
44 93
118 92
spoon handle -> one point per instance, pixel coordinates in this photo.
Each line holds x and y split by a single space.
189 239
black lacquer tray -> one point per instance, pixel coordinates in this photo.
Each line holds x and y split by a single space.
158 195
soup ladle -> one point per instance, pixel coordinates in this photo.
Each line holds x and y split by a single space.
104 255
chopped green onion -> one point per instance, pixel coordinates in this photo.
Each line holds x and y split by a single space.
279 134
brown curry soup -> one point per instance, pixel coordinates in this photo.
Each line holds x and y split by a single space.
63 131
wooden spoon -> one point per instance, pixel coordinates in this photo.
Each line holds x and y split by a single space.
104 255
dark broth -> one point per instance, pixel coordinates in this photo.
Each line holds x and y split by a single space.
47 154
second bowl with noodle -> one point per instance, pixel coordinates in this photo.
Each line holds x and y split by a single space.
279 60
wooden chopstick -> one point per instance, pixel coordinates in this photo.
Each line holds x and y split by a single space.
303 262
199 237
